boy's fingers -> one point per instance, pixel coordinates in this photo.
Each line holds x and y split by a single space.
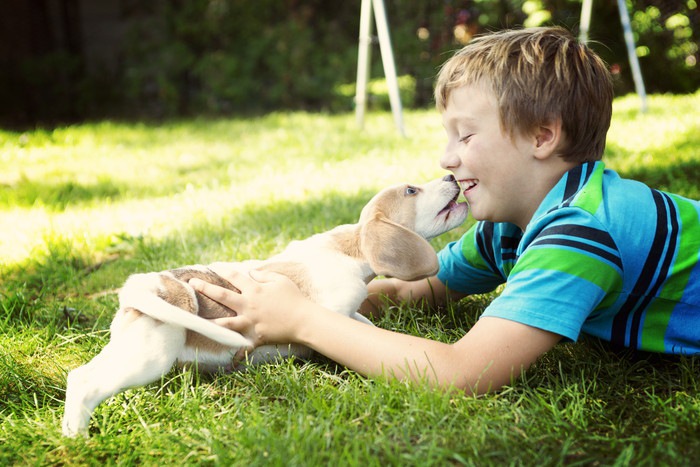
234 323
222 295
241 356
237 324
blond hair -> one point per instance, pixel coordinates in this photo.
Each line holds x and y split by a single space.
538 75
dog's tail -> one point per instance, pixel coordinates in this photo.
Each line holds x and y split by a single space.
140 292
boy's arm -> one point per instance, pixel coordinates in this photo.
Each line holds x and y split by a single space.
272 310
430 290
492 354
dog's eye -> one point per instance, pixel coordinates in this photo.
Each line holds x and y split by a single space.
411 190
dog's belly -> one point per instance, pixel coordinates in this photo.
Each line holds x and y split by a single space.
331 279
207 360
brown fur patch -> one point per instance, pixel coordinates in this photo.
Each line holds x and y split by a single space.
392 204
178 292
207 308
348 242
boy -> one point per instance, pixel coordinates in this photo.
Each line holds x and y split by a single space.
579 249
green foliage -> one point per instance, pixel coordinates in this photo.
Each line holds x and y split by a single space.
226 56
667 45
231 57
230 189
222 56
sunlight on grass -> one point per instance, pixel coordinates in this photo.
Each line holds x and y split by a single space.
190 174
87 183
83 207
670 126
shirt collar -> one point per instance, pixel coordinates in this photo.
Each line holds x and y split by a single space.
565 190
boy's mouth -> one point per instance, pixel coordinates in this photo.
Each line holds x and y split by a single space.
468 185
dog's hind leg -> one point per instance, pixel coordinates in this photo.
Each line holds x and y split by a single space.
139 357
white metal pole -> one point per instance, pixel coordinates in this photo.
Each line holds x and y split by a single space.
631 53
388 62
585 25
363 59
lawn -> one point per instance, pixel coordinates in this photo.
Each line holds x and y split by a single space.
84 206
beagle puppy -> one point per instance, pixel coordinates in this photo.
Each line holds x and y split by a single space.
162 321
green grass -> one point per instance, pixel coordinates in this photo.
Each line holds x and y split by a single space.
82 207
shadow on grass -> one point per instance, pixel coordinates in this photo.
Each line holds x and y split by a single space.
35 291
57 196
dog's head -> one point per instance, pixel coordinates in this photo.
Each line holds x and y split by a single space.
398 222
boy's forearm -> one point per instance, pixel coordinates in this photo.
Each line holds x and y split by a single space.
432 290
378 290
493 353
375 352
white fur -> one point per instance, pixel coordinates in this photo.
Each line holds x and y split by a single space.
339 281
145 346
139 292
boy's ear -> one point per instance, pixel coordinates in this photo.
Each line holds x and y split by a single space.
548 138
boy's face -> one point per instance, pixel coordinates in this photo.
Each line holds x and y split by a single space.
497 174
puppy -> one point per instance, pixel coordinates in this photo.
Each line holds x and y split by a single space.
162 321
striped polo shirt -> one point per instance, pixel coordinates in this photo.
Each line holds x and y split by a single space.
602 255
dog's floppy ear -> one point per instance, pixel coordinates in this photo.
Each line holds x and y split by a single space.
395 251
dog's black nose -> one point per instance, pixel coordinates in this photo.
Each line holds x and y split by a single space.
449 178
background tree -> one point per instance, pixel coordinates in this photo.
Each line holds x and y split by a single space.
169 58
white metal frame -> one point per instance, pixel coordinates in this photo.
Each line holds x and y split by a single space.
629 42
363 59
368 7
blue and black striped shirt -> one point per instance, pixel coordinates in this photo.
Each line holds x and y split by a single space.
602 255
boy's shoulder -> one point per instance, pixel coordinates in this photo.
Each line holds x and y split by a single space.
591 207
605 196
593 213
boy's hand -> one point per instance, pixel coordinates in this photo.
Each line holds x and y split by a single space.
267 308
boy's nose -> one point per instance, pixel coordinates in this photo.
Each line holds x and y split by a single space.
448 160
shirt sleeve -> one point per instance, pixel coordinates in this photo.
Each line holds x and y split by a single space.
463 267
565 274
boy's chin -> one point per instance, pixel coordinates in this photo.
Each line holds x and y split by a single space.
477 215
480 216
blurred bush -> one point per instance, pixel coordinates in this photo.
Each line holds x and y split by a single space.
224 57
